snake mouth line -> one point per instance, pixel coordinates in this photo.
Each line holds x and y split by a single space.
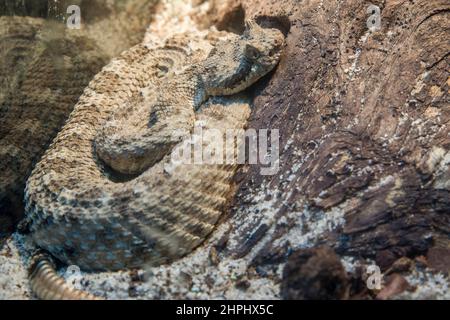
237 82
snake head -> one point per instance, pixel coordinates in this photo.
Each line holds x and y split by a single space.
262 46
235 65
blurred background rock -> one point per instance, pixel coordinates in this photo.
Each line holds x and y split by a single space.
44 67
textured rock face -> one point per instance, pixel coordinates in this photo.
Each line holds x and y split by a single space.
44 69
363 119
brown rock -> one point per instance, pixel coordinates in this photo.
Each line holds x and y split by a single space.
314 274
395 285
401 265
439 259
385 258
421 262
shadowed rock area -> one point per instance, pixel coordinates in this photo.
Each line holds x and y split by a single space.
314 274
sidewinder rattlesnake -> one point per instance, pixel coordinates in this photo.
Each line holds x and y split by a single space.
102 196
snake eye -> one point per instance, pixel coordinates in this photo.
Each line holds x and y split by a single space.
251 52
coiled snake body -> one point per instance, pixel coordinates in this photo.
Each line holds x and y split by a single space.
102 197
